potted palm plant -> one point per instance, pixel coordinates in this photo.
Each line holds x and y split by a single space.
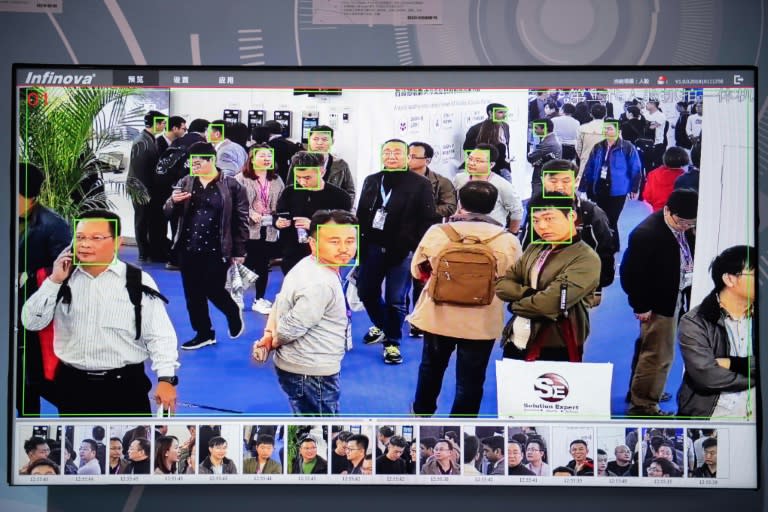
64 136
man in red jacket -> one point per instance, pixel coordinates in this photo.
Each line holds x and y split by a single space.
661 181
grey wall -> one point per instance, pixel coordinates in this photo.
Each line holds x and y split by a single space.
490 32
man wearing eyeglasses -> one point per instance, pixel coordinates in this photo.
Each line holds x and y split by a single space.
657 274
716 340
357 445
101 342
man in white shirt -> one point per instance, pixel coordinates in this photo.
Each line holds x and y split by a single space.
89 464
693 126
101 340
657 121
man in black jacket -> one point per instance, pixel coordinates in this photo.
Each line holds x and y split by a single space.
144 157
284 149
558 176
656 274
395 210
716 342
212 212
177 127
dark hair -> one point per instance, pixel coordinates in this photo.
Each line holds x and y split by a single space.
265 439
708 431
398 441
569 109
655 103
520 437
306 159
321 217
429 152
343 436
494 151
478 197
218 125
512 441
198 126
634 110
250 170
30 180
307 439
32 443
116 439
675 157
149 117
386 431
548 122
360 439
538 440
494 443
175 122
446 441
428 442
684 203
202 148
731 261
696 155
98 433
667 468
162 445
471 446
43 462
260 134
112 218
709 443
552 105
656 442
597 111
578 441
321 128
273 126
143 444
216 441
70 450
600 451
563 469
489 108
238 133
559 164
93 444
554 200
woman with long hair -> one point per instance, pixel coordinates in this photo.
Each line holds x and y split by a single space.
263 186
166 455
491 133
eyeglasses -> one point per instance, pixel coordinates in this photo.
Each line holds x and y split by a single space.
414 157
691 223
94 238
392 153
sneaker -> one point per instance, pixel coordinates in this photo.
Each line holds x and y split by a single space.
262 306
375 335
392 355
237 326
416 332
199 342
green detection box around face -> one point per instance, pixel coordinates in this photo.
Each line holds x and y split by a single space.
542 125
544 242
486 152
272 158
220 128
205 156
615 125
405 154
500 109
355 260
544 175
330 139
160 119
298 186
109 232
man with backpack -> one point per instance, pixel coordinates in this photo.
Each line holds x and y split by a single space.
108 320
612 171
458 309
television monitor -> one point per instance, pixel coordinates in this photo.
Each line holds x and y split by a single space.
604 338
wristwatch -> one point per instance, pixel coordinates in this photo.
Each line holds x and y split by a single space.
170 380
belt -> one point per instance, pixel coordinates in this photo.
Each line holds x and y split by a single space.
130 369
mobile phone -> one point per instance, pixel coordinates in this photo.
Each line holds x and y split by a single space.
284 215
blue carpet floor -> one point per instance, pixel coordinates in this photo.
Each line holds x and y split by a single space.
224 377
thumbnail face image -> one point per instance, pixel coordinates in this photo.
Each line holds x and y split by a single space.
307 449
174 449
440 450
264 449
219 447
706 451
618 451
571 451
527 451
662 451
135 449
396 450
353 447
39 449
85 450
483 451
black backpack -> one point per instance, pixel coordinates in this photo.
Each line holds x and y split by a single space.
135 291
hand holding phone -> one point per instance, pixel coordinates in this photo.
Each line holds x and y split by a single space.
62 267
179 195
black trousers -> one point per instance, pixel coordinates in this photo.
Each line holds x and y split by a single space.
416 288
257 257
120 392
612 206
203 278
160 246
547 353
141 221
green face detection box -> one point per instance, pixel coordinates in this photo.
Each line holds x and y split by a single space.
405 157
355 260
116 245
566 212
551 172
321 132
272 158
206 156
486 153
615 125
499 109
298 186
543 126
220 128
160 119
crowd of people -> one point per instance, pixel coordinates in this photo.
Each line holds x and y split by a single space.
468 248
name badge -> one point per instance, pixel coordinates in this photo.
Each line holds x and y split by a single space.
604 173
379 219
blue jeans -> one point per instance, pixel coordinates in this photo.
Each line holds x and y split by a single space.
388 314
472 358
311 395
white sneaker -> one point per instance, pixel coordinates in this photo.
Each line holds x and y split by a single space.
262 306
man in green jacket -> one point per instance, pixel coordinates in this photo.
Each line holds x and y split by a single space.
548 287
263 463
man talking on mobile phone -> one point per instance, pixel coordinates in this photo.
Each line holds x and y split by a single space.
108 319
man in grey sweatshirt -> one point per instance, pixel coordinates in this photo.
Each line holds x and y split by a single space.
309 325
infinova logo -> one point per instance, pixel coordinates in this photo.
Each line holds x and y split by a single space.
53 78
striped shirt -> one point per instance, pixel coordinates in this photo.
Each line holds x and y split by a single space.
97 331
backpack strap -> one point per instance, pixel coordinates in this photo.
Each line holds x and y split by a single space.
494 237
135 292
451 233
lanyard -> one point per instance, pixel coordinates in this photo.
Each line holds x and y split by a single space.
685 251
384 197
348 329
264 193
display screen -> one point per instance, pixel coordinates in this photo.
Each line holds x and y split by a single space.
464 276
